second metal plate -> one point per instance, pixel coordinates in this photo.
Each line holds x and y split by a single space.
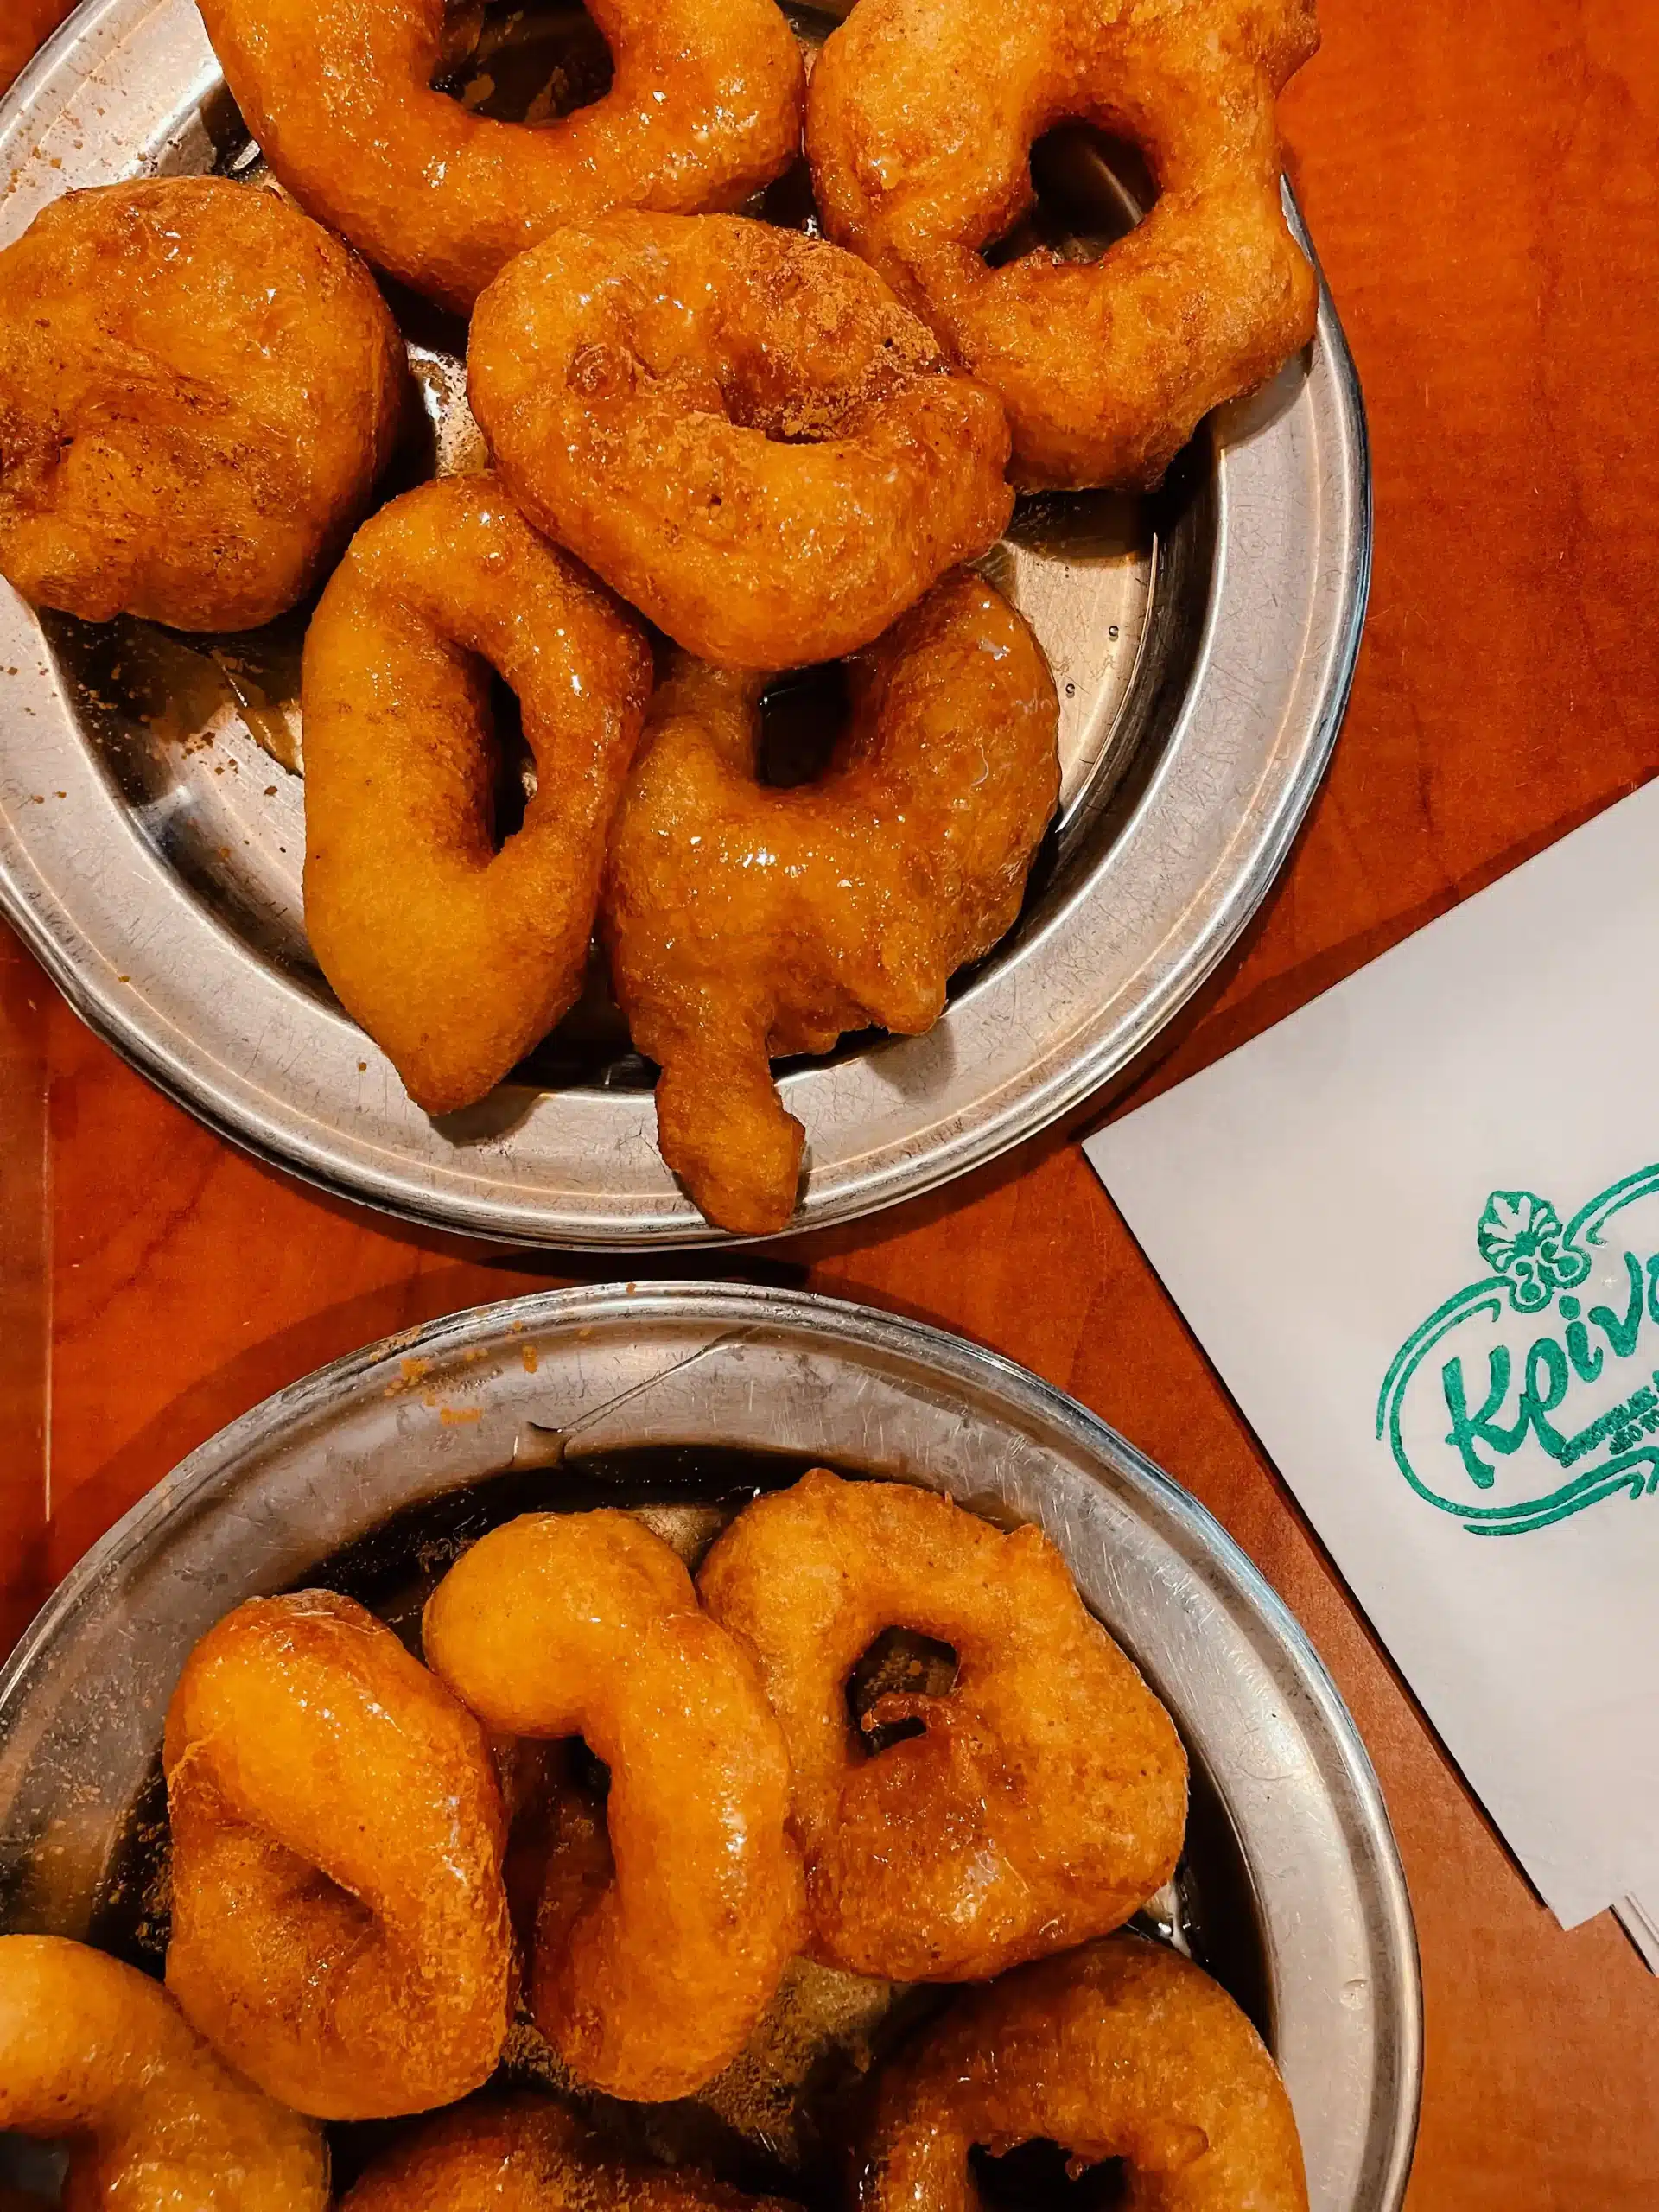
377 1471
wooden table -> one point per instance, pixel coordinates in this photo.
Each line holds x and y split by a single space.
1482 181
23 25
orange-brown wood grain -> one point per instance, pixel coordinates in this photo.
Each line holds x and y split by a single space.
26 1011
1483 181
23 25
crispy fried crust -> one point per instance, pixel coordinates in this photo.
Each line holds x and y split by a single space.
455 957
198 389
740 430
339 1921
1123 2050
919 127
525 2154
1046 1799
744 922
654 1961
704 109
95 2053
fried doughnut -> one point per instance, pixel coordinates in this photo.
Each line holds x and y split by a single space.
526 2154
339 1923
98 2056
704 109
740 429
1124 2050
919 127
744 922
1045 1799
561 1624
27 26
198 388
457 958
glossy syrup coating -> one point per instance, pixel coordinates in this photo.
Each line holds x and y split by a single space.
704 108
25 25
339 1921
745 922
1123 2050
1046 1800
740 429
97 2055
920 128
198 389
659 1948
456 958
526 2154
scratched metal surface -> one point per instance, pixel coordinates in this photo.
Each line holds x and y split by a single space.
150 845
540 1394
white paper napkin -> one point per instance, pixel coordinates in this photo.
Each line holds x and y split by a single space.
1416 1228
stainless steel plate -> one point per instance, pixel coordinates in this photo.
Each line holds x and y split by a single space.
392 1459
150 846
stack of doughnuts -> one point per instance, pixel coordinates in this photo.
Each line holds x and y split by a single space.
718 450
380 1863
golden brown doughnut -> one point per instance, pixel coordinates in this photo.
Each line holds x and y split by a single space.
97 2055
649 1981
1046 1800
1124 2050
198 388
457 958
704 109
339 1923
740 429
26 25
526 2154
744 923
920 128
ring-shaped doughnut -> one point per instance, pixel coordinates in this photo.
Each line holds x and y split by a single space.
744 922
920 121
565 1624
740 429
339 1921
98 2056
704 109
1045 1800
526 2154
1123 2050
198 389
455 957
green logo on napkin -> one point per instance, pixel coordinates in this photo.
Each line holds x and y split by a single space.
1535 1392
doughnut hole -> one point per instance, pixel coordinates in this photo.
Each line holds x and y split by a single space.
515 765
801 717
1090 189
525 60
32 2173
1037 2178
900 1662
587 1771
557 1795
825 392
